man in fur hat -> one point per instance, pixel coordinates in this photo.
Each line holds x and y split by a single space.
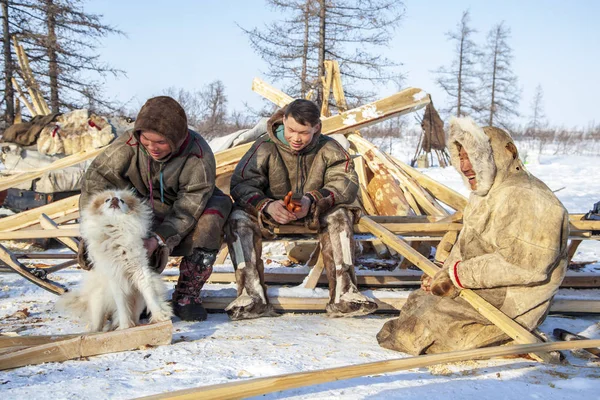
294 157
511 251
174 168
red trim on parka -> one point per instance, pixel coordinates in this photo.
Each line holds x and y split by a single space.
455 272
345 153
250 158
213 212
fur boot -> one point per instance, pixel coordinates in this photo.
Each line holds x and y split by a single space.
337 247
245 247
194 271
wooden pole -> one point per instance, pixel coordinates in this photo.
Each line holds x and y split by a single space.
261 386
47 223
92 344
58 164
26 103
31 217
495 316
9 259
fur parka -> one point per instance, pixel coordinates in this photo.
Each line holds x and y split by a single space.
178 186
271 169
511 251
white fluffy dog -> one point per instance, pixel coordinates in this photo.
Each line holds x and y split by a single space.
121 283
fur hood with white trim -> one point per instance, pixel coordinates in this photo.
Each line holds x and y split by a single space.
491 151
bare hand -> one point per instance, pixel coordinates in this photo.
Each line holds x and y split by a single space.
442 285
276 209
151 244
305 203
426 283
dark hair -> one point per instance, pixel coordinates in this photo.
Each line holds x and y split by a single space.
305 112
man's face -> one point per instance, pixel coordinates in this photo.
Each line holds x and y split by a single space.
467 168
298 135
156 144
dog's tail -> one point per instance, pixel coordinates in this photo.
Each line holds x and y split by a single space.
74 303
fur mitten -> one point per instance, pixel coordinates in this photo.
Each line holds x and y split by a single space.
317 209
82 256
442 285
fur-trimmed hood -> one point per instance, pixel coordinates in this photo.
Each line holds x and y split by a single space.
492 153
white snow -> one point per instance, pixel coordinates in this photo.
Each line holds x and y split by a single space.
219 351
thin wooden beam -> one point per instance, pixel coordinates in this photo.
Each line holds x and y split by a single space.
31 217
315 273
73 159
386 305
394 279
92 344
260 386
9 259
495 316
48 224
39 234
441 192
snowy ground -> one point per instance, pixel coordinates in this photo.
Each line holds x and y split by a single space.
218 350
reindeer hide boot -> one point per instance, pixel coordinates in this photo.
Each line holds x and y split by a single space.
194 271
337 248
245 248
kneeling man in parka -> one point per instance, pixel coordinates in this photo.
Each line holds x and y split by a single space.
294 157
511 251
172 167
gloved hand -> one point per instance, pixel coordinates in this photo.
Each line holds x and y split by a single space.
442 285
318 209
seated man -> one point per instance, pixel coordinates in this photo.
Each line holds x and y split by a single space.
174 168
294 157
511 251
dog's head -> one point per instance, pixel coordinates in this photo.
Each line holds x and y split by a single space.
114 202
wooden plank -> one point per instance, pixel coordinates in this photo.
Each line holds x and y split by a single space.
495 316
48 224
395 279
403 102
39 234
222 256
400 229
271 93
441 192
9 259
28 341
572 249
385 304
61 208
245 388
68 161
27 104
338 90
315 273
584 225
87 345
327 79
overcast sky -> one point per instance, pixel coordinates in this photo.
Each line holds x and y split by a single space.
189 43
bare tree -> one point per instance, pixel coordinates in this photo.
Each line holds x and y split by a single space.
311 31
538 117
214 102
9 111
460 80
499 90
62 45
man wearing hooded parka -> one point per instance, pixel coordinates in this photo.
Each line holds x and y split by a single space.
511 251
172 167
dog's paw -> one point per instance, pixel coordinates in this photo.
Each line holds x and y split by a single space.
163 314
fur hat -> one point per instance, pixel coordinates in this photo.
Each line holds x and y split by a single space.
165 116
